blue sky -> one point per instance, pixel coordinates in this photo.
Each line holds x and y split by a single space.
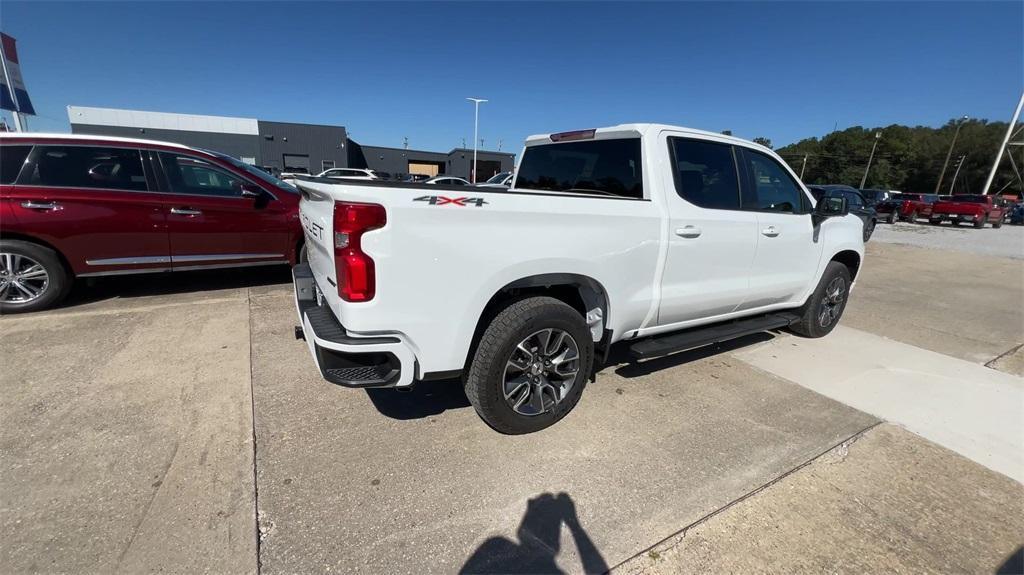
389 70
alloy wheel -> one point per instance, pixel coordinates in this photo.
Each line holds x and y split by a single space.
541 371
832 302
22 279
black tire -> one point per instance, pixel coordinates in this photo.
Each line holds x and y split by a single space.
934 222
487 372
912 218
998 223
811 322
54 287
980 222
894 216
869 228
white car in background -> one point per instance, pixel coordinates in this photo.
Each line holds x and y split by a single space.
349 174
499 180
447 181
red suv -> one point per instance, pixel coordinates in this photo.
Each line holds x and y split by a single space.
82 206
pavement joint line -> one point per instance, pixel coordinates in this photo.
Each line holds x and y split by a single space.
94 312
682 532
1012 350
252 405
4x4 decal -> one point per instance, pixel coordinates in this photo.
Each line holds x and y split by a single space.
442 200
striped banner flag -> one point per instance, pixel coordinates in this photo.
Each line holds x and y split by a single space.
13 94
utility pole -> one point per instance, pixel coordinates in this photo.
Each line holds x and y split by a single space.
959 124
864 180
802 166
1010 131
960 162
476 127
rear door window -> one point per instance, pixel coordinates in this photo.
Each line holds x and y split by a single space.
705 173
88 167
604 167
12 158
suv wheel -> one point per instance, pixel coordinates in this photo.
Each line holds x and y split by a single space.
825 306
32 277
869 228
531 365
894 216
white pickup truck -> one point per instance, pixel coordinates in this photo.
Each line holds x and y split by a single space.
667 237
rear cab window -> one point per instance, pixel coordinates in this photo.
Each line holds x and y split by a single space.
606 167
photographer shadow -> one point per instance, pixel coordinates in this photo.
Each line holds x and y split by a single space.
539 536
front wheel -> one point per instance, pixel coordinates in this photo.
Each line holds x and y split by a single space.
825 306
531 365
979 223
894 216
869 228
32 277
912 218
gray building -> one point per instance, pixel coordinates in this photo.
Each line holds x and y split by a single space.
281 146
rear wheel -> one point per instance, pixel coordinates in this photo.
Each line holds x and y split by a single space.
531 365
825 306
893 217
935 221
980 222
998 223
912 218
32 277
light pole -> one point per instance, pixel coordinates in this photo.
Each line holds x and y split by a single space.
476 126
945 164
864 180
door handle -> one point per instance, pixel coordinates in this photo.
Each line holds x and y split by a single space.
186 212
688 232
40 205
770 231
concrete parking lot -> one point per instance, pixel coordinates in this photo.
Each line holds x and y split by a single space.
174 424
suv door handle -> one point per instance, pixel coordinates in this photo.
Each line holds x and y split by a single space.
688 232
770 231
40 205
186 212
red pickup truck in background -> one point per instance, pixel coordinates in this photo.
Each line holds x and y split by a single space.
968 208
906 207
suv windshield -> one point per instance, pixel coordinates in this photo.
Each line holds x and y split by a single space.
607 167
256 172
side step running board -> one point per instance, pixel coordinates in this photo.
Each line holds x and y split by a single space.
709 334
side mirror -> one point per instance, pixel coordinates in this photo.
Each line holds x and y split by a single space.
831 206
251 191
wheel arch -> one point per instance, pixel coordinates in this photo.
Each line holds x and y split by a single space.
5 235
583 293
850 259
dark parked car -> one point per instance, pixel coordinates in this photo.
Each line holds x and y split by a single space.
875 196
859 206
77 206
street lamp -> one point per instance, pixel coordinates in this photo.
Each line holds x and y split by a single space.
959 125
476 126
864 180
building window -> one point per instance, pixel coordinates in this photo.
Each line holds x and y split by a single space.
296 163
326 165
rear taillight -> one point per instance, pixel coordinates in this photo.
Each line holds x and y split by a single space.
355 272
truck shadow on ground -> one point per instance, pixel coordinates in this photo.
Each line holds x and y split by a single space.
92 290
429 398
539 534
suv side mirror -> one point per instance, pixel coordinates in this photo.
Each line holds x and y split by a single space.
831 206
251 191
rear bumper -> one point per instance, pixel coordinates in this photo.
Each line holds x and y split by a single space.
344 359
